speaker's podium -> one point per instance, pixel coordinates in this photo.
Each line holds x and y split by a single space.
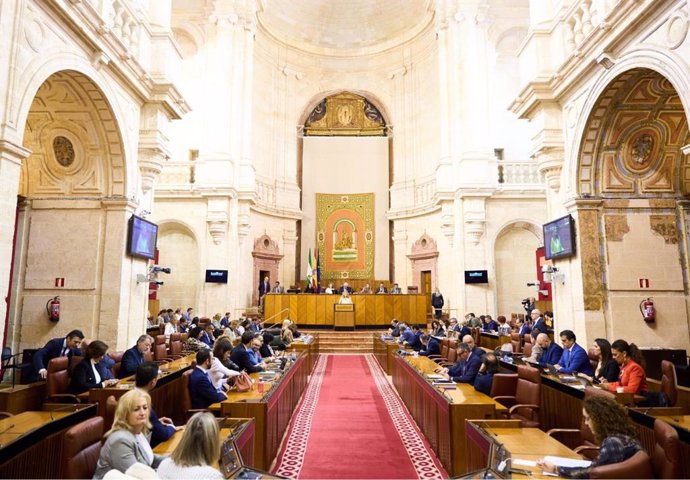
344 316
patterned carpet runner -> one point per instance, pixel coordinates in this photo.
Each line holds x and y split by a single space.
352 424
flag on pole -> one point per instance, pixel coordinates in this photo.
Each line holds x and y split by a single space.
310 271
318 271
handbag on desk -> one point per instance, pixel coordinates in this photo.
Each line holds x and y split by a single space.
242 382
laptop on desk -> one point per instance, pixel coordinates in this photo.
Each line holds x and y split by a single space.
564 378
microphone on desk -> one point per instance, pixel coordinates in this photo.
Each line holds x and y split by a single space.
65 408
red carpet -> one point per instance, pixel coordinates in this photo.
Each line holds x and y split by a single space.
351 424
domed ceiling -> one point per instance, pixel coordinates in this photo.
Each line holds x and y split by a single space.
344 26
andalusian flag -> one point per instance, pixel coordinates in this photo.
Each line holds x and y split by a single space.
318 272
310 272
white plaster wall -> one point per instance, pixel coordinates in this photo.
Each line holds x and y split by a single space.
514 255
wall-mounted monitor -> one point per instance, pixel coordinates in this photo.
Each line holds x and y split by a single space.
142 238
559 238
476 276
216 276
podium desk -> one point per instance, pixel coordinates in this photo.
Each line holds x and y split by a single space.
384 350
441 414
31 442
344 316
308 344
271 410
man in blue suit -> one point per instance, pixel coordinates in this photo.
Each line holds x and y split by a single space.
134 357
539 325
574 358
551 352
406 335
201 390
465 370
241 354
161 428
430 346
57 347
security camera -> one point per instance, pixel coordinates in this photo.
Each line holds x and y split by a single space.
547 269
533 284
158 269
160 284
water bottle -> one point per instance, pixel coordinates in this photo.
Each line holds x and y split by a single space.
293 356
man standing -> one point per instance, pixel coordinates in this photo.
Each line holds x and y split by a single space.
201 390
551 353
134 357
574 358
264 288
146 378
57 347
539 323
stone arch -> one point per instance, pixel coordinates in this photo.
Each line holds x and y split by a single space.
521 224
318 97
663 61
110 112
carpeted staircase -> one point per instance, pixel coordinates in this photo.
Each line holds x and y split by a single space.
358 341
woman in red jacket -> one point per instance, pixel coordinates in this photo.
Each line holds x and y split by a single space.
632 377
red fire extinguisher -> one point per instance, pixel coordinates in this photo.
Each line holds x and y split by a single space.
647 310
53 309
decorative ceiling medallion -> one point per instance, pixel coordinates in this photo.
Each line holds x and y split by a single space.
64 151
641 150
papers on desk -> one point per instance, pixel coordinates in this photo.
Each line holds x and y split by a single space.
519 462
567 462
435 376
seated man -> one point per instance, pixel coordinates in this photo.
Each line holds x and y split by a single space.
394 331
345 288
430 345
278 288
366 289
469 340
161 428
134 357
485 378
491 325
551 353
381 289
57 347
201 390
241 356
417 342
466 368
396 289
574 358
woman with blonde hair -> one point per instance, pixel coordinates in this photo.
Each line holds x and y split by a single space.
286 333
126 442
197 451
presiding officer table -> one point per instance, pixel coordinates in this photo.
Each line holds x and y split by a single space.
370 310
440 414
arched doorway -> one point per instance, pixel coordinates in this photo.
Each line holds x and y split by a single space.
72 218
633 179
178 249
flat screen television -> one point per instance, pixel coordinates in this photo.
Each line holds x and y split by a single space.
559 238
476 276
142 238
216 276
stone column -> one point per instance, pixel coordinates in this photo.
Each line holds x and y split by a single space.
11 157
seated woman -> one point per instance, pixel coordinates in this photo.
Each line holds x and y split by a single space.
607 369
293 329
197 452
286 333
613 431
436 329
194 343
89 373
266 350
126 443
219 372
485 377
345 298
632 375
232 331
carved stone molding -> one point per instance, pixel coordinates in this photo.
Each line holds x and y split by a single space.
424 247
267 258
243 222
424 258
549 166
265 247
217 225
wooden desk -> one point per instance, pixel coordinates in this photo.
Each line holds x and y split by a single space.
344 316
310 346
441 415
164 397
31 442
384 350
270 410
240 429
523 443
492 341
21 398
370 310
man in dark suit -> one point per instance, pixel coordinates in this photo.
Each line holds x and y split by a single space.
161 428
475 350
57 347
134 357
395 328
430 345
264 288
574 357
241 356
201 390
345 286
539 323
552 353
381 289
465 370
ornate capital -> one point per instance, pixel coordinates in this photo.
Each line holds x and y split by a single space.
549 166
217 225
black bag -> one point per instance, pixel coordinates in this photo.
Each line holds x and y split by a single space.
655 399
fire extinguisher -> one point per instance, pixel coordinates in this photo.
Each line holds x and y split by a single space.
647 310
53 309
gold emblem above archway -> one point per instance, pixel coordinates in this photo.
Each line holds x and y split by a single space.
345 114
